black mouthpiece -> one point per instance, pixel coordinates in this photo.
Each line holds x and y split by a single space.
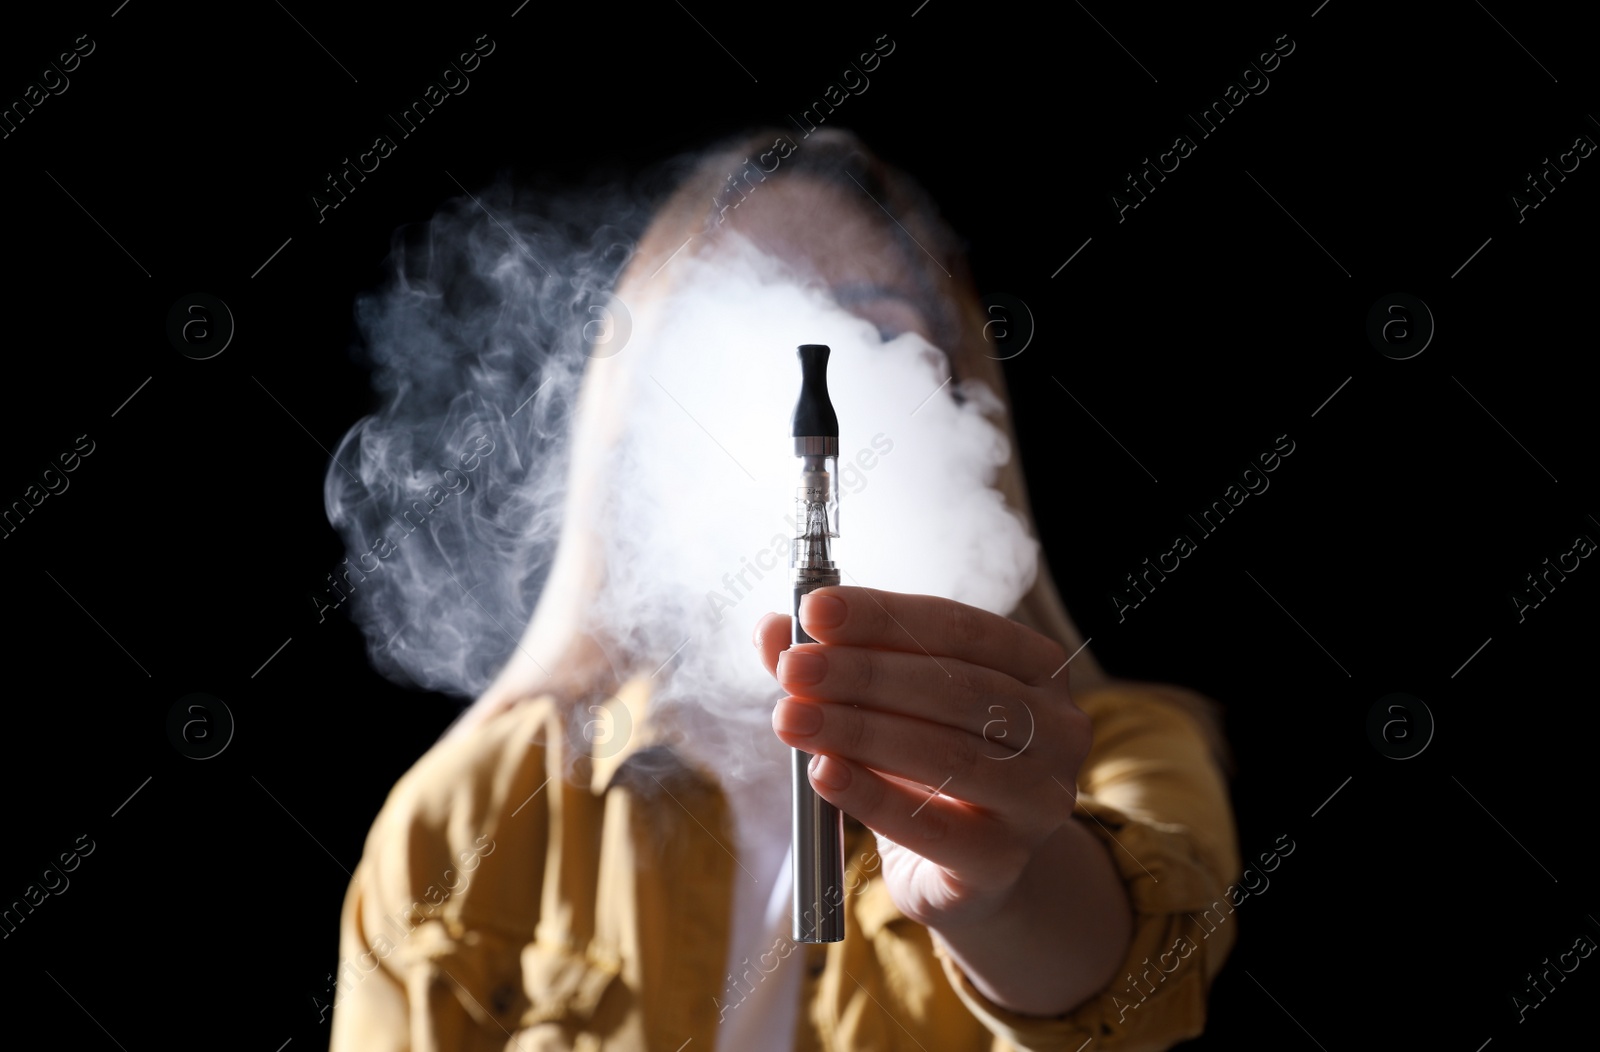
813 414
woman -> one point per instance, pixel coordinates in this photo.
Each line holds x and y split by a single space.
591 857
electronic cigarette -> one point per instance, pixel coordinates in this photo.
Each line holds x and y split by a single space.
818 828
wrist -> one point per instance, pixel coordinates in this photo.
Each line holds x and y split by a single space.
1058 934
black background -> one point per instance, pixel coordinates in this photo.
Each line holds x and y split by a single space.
1196 331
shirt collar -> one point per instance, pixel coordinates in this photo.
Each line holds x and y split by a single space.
619 727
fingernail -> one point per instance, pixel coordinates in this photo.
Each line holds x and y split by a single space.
824 611
830 772
801 666
755 633
797 717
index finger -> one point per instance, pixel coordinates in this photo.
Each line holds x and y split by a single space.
929 624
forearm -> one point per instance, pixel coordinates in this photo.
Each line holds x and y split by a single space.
1058 936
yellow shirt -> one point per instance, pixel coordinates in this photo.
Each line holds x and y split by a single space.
515 895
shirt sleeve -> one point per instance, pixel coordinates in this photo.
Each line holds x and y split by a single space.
1152 791
440 906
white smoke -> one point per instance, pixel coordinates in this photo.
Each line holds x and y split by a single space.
479 333
698 489
705 478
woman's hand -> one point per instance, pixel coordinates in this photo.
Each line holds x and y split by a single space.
944 728
948 731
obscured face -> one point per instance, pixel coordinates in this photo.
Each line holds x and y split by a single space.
700 488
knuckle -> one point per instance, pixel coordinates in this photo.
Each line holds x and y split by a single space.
852 733
1078 732
959 754
1056 656
962 683
965 696
966 623
878 618
863 670
1067 806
